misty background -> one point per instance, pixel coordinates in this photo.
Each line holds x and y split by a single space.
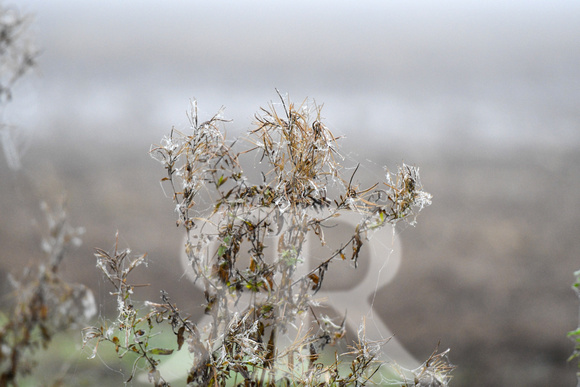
483 97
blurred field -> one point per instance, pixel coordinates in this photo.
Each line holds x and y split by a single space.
487 270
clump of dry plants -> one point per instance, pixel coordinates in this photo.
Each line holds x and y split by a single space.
244 244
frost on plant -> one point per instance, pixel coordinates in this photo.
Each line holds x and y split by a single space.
231 221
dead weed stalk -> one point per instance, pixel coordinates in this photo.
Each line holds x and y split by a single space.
301 175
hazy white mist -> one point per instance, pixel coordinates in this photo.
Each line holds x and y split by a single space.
421 72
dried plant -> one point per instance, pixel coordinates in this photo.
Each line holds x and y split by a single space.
231 224
136 330
434 372
17 57
17 52
44 304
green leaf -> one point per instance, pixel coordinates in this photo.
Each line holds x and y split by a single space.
574 333
224 246
161 351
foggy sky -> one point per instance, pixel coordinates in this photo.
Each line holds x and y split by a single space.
414 71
